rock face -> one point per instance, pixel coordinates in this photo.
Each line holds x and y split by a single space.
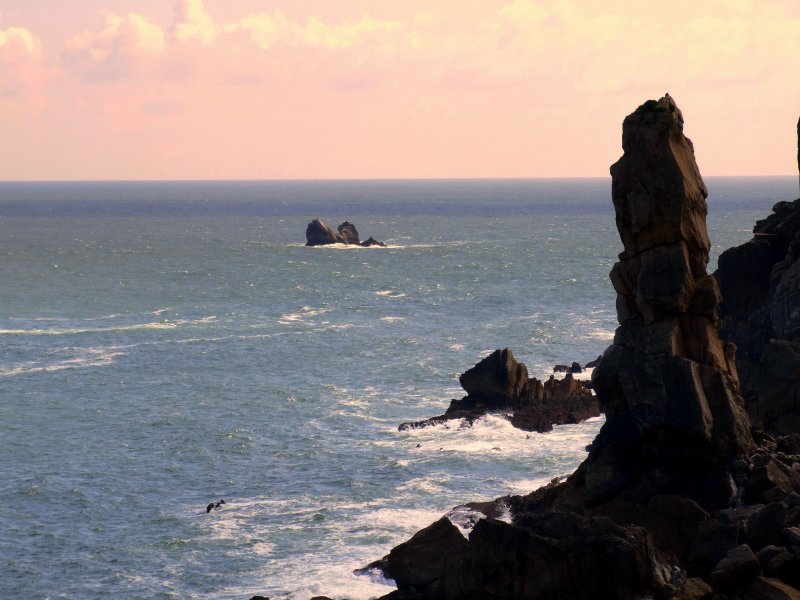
760 283
668 384
500 384
318 233
677 499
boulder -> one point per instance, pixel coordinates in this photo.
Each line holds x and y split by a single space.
555 555
764 588
735 571
695 589
418 562
766 526
318 233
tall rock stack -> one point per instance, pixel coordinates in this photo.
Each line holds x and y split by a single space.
668 384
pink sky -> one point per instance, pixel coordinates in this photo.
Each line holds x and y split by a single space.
268 89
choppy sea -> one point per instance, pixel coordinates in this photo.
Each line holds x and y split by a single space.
166 345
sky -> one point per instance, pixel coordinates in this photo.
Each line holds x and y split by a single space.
318 89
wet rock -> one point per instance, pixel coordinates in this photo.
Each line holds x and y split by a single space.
557 555
418 562
499 384
593 363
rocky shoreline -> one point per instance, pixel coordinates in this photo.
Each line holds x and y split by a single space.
682 496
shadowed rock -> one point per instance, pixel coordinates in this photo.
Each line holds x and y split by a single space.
499 384
760 284
675 481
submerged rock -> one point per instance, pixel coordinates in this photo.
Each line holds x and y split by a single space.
499 384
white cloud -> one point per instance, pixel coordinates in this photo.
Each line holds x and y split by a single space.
192 22
18 44
324 35
119 50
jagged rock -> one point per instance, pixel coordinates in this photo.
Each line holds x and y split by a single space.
676 450
318 233
348 233
760 285
667 386
500 384
555 555
418 562
575 368
593 363
371 241
735 571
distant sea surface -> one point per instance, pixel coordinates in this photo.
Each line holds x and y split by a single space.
166 345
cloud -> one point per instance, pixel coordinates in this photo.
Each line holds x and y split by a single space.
192 22
126 46
324 35
20 62
263 29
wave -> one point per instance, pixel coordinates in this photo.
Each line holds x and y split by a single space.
154 325
81 358
304 313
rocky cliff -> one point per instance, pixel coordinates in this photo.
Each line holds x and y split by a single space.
676 499
760 283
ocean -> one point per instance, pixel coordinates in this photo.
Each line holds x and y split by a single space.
164 345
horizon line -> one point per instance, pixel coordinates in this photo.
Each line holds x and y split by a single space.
351 179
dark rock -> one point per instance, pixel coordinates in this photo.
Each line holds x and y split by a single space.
496 380
767 553
764 588
694 589
760 284
348 234
556 555
766 526
712 542
500 384
575 368
735 571
371 241
561 369
318 233
593 363
418 562
772 473
667 387
778 405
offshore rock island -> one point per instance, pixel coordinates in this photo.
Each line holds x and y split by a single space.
680 496
319 233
